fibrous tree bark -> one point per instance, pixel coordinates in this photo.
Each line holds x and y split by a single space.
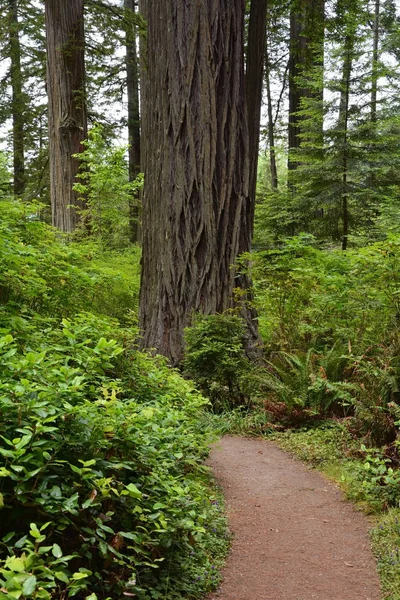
67 106
132 81
195 159
17 101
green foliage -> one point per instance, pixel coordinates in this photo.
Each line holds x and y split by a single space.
310 382
103 447
330 324
215 358
329 441
5 177
38 272
386 539
102 488
104 184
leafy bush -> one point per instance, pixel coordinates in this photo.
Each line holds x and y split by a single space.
330 322
40 273
105 186
215 358
102 487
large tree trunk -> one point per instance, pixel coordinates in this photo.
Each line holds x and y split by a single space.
306 51
132 80
18 103
195 158
67 106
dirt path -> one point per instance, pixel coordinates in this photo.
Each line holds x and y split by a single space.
295 538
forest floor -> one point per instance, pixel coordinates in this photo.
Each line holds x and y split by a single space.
294 535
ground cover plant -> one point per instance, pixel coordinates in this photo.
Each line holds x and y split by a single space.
103 493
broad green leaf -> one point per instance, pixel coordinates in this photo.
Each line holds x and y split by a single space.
8 537
16 564
77 576
57 552
62 576
29 585
133 490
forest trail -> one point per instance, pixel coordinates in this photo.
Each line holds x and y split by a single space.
295 537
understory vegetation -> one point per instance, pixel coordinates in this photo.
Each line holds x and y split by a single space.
328 389
103 493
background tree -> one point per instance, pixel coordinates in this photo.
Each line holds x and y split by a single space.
255 61
307 19
132 90
18 100
67 106
195 157
23 122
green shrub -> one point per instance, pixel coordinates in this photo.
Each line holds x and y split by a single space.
102 485
109 195
215 358
42 274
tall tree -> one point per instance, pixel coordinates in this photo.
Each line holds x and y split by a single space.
375 58
18 99
254 83
67 106
195 157
306 52
132 89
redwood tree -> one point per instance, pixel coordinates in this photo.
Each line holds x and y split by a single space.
67 109
195 159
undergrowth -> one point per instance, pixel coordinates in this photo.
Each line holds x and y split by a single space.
103 491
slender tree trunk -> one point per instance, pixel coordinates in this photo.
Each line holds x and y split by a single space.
132 78
375 58
18 102
271 124
254 86
195 158
307 18
343 125
67 106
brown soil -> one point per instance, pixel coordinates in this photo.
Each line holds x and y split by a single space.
295 537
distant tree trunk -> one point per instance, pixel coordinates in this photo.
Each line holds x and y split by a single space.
18 102
343 126
132 78
254 86
195 158
271 125
307 18
375 57
67 106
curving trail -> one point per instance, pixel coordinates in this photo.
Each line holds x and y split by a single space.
295 537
